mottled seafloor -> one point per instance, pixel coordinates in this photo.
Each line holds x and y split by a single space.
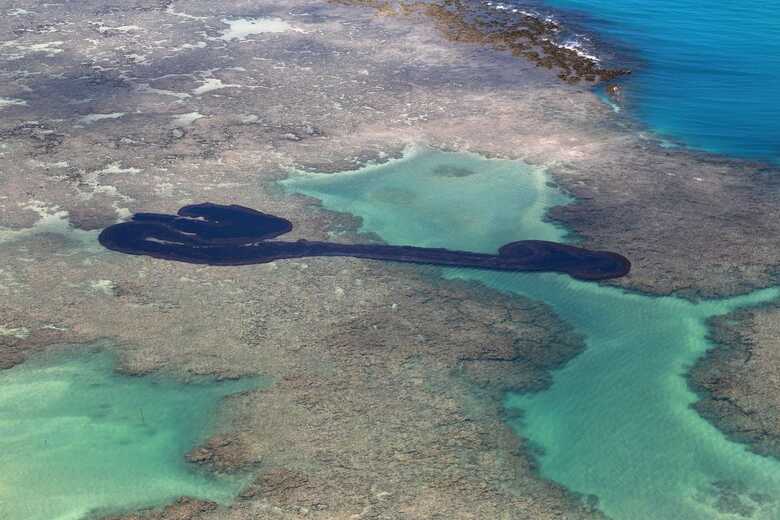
109 109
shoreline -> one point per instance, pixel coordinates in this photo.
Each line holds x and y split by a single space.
525 35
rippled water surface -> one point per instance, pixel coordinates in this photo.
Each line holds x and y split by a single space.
78 438
617 421
706 73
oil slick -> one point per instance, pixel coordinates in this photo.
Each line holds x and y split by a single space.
235 235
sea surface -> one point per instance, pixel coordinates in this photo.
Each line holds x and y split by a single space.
706 74
617 422
77 438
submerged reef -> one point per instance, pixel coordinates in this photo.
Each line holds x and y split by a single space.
737 379
235 235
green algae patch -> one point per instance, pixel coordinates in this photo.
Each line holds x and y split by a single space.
79 439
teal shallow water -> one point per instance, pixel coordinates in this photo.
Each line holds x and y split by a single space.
77 438
617 421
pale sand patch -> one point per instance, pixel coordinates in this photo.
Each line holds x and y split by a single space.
211 84
103 29
122 213
9 102
184 120
196 45
240 28
93 118
106 287
50 49
16 332
116 167
171 11
47 165
144 88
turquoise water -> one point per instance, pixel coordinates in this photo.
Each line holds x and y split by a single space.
617 421
76 438
705 73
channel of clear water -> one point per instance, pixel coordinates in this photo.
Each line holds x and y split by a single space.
616 422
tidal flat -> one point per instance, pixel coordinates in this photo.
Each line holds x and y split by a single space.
388 381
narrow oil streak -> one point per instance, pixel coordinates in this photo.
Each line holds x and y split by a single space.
217 234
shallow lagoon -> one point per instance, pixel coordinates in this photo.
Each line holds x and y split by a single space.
617 421
78 438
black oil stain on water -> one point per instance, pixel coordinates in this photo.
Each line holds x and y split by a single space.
218 234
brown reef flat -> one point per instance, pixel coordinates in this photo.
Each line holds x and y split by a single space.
522 35
184 508
224 453
739 379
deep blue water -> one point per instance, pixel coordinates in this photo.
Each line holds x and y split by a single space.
706 74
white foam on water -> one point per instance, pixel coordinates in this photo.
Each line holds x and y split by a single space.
503 7
578 47
240 28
